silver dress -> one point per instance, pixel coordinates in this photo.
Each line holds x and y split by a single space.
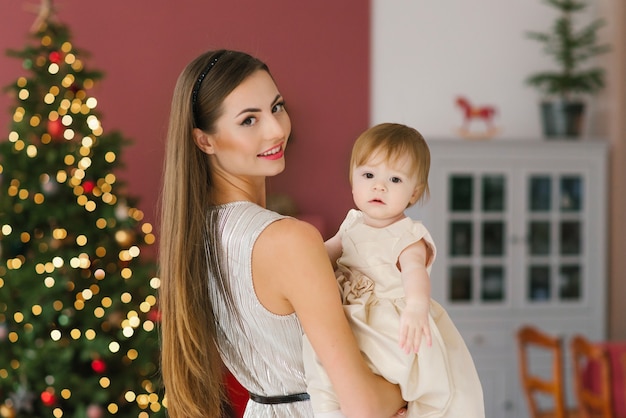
261 349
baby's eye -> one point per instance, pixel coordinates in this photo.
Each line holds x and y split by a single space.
368 175
278 107
396 180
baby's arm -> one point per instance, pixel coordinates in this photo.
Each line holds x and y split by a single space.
334 248
412 263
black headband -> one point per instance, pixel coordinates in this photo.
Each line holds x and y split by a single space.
196 87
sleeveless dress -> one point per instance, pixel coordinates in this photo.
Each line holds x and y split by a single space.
262 350
438 381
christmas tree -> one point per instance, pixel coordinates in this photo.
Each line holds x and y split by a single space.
78 307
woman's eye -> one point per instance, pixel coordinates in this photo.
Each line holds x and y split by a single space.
396 180
249 121
278 107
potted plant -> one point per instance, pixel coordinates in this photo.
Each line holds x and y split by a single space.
562 108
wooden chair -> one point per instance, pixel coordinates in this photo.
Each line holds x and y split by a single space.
549 385
594 402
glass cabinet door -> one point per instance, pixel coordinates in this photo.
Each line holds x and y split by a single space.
555 208
476 242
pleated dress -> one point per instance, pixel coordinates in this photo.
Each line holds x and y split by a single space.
262 350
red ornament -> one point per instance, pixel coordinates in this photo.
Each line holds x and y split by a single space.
98 366
88 186
48 398
95 411
154 315
55 57
55 129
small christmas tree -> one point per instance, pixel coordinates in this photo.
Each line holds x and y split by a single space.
570 49
78 307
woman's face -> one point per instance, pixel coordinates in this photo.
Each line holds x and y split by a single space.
251 134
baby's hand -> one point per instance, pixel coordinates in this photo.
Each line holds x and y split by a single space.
413 325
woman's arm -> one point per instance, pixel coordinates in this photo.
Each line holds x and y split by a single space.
414 324
292 273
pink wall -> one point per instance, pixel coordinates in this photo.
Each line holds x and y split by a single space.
318 52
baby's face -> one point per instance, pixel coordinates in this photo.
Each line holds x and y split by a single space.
383 189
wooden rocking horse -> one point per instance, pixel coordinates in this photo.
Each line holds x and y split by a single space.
470 112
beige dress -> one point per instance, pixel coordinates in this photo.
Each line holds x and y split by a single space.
261 349
438 381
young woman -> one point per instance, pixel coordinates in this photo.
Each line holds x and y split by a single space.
240 284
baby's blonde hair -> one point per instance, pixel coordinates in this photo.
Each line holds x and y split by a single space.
394 140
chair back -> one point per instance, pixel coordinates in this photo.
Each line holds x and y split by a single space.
548 384
593 400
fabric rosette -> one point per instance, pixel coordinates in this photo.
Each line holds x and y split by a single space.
356 288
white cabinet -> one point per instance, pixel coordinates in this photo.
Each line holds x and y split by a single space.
520 229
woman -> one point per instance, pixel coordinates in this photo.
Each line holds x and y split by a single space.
240 284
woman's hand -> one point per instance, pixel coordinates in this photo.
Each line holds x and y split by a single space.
401 413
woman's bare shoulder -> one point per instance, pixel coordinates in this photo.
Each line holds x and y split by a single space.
289 258
297 244
292 232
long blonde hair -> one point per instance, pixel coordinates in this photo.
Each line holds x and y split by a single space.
190 363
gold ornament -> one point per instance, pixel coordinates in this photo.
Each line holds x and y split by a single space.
7 411
125 237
